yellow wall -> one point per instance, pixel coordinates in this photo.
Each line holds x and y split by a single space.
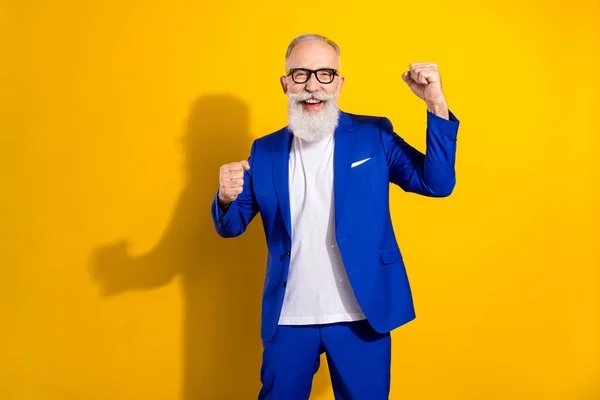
115 117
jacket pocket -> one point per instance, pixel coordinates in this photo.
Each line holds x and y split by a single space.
366 165
390 255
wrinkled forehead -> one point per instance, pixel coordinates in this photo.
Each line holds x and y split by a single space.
313 54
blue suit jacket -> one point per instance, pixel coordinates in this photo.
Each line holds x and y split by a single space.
363 227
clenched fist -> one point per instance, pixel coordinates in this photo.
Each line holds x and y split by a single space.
425 81
231 181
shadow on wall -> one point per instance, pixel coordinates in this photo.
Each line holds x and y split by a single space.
221 278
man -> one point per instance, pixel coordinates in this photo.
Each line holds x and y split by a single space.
335 279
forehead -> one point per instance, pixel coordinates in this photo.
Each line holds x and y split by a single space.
313 54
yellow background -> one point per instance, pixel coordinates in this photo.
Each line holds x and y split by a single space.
115 116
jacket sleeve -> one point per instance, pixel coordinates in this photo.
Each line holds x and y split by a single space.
234 221
431 174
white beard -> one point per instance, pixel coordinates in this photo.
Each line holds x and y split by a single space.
313 125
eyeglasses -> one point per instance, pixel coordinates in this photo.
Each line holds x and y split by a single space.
323 75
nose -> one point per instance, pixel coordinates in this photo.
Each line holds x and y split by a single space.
313 84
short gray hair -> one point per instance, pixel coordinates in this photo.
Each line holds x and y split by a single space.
310 36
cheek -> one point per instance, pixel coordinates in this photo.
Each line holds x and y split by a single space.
295 89
330 89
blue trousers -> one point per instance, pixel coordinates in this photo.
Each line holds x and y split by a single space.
359 361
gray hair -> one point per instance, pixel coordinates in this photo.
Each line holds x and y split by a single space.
311 36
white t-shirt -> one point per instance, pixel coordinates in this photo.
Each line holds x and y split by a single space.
317 290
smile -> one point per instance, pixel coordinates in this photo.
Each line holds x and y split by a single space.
313 104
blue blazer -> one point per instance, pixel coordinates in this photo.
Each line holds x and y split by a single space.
363 227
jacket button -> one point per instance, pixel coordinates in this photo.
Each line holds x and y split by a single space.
284 284
287 253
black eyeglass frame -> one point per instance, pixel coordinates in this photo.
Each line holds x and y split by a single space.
334 73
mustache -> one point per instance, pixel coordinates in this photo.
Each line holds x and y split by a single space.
303 96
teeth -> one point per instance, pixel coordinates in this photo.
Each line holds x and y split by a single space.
313 101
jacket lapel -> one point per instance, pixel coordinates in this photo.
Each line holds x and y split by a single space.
342 160
281 167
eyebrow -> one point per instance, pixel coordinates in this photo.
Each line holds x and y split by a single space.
320 67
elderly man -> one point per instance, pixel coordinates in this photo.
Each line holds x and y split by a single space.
335 280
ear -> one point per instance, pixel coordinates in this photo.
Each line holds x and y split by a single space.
341 81
284 84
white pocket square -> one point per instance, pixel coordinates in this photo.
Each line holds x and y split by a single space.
357 163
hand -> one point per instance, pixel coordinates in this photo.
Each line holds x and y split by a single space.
111 267
425 81
231 181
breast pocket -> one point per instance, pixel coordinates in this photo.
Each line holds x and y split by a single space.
362 165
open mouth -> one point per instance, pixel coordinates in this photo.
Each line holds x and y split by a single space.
313 104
